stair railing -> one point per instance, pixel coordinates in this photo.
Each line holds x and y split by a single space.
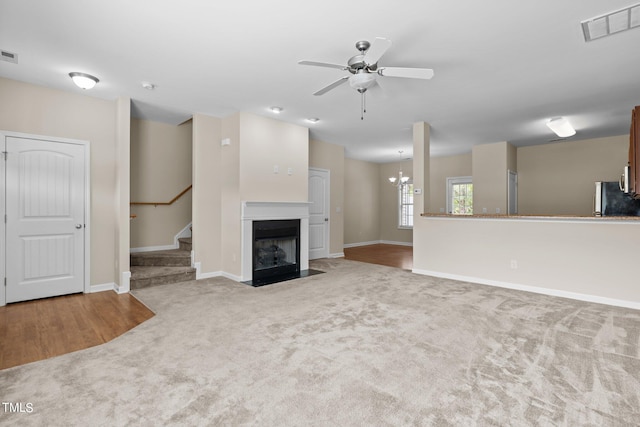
172 201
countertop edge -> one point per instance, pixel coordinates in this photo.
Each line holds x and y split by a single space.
536 217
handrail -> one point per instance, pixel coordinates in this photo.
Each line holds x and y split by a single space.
164 203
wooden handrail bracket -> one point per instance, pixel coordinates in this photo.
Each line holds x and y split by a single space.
172 201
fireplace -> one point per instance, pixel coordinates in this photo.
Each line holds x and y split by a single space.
276 250
271 216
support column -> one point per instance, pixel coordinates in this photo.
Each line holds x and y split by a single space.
421 168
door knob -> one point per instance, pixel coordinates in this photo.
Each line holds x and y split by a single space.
78 226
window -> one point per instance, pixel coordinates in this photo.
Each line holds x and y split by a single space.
460 195
405 204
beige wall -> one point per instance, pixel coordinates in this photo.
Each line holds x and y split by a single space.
361 201
37 110
559 178
389 211
123 183
579 259
489 167
161 168
566 258
206 213
331 157
264 144
231 234
441 169
225 176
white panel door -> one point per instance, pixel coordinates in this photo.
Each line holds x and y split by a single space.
45 205
318 213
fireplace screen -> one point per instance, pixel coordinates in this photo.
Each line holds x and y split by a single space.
276 250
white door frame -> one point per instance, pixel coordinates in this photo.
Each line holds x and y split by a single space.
87 203
327 228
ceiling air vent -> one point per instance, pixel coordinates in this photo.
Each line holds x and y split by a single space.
8 56
611 23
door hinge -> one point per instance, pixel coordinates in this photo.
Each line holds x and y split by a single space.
4 154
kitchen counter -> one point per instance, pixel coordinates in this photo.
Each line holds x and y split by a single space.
535 217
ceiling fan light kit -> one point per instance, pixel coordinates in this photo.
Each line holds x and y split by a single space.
365 71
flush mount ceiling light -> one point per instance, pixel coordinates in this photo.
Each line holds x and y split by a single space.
313 120
148 85
276 110
561 127
611 23
84 81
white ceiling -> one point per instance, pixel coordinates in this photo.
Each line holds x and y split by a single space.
502 68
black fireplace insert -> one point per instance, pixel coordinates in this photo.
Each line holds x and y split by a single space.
276 251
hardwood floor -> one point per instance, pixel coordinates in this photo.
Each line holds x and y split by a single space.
36 330
383 254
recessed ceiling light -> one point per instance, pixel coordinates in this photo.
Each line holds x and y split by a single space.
313 120
148 85
276 110
83 81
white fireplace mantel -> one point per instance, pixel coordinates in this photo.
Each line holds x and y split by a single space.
264 211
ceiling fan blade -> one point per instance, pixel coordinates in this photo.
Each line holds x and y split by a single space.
411 73
377 49
322 64
332 86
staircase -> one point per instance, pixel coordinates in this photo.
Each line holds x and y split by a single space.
162 267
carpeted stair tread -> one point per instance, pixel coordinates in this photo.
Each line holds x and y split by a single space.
145 276
171 258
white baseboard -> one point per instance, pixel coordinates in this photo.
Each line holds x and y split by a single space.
125 283
391 242
534 289
354 245
337 255
377 242
102 287
185 232
212 274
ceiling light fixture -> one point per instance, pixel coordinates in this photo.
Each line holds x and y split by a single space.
276 110
83 81
400 180
148 85
561 127
313 120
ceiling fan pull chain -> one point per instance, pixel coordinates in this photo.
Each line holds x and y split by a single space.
362 106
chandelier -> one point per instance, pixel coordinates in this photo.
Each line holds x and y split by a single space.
400 180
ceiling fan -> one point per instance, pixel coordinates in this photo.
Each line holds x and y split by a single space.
364 69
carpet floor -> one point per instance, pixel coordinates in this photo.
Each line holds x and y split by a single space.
361 344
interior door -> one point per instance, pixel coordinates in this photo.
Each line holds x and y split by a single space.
45 205
318 213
